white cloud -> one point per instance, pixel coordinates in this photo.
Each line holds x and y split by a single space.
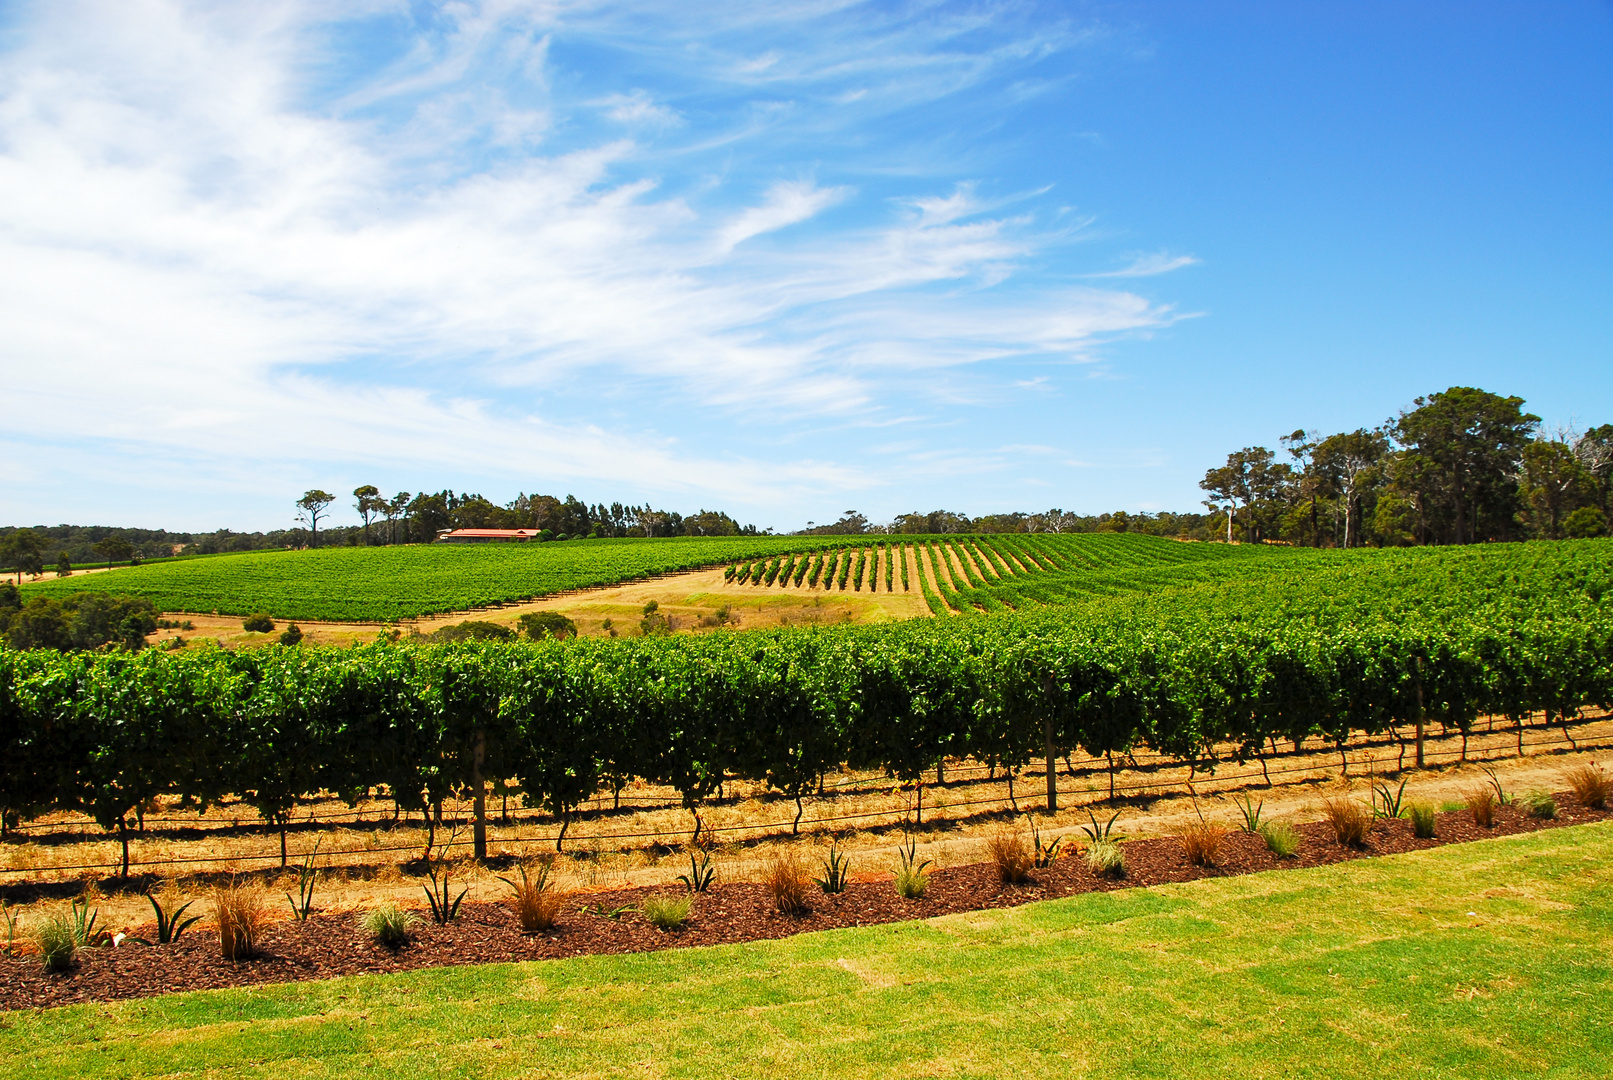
786 204
206 240
1148 265
639 108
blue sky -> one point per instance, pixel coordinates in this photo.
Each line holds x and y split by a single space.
781 259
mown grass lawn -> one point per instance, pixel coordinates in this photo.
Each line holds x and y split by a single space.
1484 960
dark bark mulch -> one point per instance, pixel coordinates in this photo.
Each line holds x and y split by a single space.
332 945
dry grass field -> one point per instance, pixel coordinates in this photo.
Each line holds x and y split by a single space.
692 601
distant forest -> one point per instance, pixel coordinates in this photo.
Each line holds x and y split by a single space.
1461 466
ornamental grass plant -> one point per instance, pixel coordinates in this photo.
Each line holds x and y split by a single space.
241 916
1540 805
1423 820
1481 801
667 913
1349 820
787 882
1281 838
1010 854
389 925
538 902
1106 859
911 881
57 944
1592 787
1201 843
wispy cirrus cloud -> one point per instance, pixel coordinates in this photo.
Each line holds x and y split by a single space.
431 241
1159 262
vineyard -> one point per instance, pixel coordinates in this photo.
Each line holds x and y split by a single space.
1224 657
994 573
383 584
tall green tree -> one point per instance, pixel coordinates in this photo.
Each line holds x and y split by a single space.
113 549
24 552
1253 480
1463 449
311 506
1553 485
368 503
1349 467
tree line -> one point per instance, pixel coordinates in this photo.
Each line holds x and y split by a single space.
401 518
1461 466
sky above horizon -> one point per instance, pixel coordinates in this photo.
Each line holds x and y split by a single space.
781 259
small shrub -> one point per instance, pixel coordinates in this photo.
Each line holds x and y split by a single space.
538 625
1422 820
389 925
1043 853
1281 838
1097 833
171 924
1011 855
292 634
836 871
1388 802
1201 843
537 902
241 916
911 881
667 912
475 630
1540 805
1591 786
787 882
58 947
85 933
1251 813
307 879
701 873
439 893
1481 801
1348 820
259 622
1106 859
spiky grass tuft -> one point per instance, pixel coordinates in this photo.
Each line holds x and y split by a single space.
1422 820
1591 786
1348 819
667 912
537 902
58 945
1481 801
788 882
241 915
1281 838
1106 859
1010 855
1201 843
389 925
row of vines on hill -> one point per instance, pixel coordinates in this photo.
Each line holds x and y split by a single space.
976 572
1358 650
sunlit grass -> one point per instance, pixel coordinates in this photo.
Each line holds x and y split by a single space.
1477 960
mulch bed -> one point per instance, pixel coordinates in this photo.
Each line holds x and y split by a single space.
326 946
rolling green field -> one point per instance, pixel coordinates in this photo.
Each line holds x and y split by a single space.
380 584
1473 961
